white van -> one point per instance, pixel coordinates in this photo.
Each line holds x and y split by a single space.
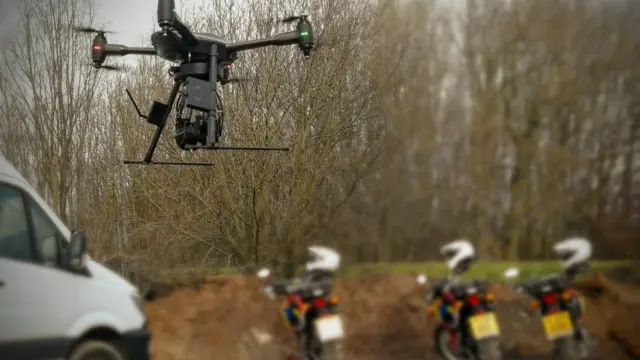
55 302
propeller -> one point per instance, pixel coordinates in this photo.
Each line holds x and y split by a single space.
107 67
90 30
111 67
305 32
290 19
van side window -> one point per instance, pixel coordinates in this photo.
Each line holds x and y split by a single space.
47 237
15 241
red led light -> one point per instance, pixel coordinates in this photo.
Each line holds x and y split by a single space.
319 303
549 298
473 300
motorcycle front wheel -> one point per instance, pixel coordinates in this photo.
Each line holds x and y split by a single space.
443 345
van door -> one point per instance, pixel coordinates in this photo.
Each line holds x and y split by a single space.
38 295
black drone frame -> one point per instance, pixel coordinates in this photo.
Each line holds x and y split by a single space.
202 61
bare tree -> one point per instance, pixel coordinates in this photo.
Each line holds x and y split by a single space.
49 95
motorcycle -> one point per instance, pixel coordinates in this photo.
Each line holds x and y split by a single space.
469 328
560 307
318 327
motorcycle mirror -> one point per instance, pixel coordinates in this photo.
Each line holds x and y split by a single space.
512 272
421 279
268 291
263 273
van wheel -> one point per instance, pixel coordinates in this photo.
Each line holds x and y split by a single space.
96 350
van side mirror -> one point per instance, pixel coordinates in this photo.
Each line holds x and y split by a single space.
77 250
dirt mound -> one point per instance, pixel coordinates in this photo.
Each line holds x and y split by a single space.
224 319
385 318
629 274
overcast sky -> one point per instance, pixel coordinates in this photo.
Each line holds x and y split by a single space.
133 21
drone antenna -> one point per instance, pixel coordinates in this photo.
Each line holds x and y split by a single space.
135 105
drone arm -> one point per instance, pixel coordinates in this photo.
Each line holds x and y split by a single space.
190 39
288 38
121 50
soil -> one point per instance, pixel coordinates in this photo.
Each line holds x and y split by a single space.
385 318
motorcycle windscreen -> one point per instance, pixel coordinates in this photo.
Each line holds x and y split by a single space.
329 328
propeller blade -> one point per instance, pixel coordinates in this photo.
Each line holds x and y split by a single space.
293 18
86 29
289 19
111 67
106 67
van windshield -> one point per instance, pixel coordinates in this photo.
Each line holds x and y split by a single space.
12 215
14 230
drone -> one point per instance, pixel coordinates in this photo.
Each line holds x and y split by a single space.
201 61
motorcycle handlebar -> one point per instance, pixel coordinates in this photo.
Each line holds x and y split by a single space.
536 285
287 287
459 289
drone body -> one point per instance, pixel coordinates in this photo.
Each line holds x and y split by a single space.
202 61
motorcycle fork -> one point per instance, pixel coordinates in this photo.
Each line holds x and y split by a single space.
573 304
457 313
451 329
465 330
299 306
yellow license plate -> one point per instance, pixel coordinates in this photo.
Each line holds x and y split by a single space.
484 325
557 325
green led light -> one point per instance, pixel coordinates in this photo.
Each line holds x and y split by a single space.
304 33
174 10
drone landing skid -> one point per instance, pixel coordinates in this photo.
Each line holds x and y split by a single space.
130 162
245 148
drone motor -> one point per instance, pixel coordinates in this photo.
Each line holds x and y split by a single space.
97 50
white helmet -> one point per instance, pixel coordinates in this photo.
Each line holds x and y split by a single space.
459 254
323 258
573 251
